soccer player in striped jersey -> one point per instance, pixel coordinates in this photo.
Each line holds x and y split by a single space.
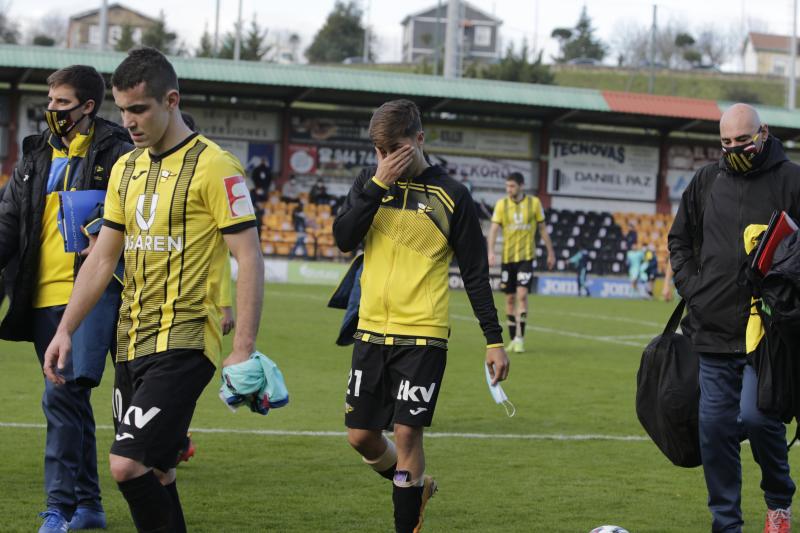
175 205
518 215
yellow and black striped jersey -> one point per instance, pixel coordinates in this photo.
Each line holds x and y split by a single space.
518 220
173 209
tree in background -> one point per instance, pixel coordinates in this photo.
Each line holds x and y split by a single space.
341 36
252 47
48 30
9 29
579 43
159 37
513 67
126 40
206 48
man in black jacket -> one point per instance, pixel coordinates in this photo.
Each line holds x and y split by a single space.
75 153
412 218
752 179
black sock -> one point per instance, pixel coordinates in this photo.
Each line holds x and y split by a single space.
389 472
522 318
179 524
150 503
512 326
407 503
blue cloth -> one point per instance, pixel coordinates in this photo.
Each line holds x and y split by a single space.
95 337
728 414
257 383
70 457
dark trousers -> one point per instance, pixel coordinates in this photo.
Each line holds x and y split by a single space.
728 415
70 457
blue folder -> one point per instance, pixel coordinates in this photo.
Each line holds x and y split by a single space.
74 207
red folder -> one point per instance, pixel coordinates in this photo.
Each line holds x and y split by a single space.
780 226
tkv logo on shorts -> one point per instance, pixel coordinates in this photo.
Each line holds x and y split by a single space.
134 414
406 392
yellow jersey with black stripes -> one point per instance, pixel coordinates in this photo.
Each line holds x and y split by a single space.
411 231
519 221
173 209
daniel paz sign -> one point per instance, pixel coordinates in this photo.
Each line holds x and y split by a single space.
602 170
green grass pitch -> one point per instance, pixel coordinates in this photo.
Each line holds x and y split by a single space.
574 457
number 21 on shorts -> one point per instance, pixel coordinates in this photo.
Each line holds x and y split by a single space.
358 381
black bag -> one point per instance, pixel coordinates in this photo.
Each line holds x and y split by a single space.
668 394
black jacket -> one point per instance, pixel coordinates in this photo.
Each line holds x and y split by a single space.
708 263
22 210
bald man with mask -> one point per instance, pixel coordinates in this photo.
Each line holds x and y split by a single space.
752 179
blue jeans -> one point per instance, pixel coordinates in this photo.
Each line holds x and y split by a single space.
70 457
728 415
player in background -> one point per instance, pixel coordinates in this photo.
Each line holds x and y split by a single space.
175 205
412 218
518 215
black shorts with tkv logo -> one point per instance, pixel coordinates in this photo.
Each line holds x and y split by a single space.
153 403
393 383
513 275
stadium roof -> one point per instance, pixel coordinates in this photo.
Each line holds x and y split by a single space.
369 88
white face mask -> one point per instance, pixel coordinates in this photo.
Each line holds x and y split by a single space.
498 394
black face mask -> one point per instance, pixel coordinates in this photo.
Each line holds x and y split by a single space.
746 157
59 120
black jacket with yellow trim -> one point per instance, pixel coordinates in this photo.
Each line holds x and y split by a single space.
22 210
411 231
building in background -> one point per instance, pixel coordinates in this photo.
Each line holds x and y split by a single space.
84 28
766 53
480 34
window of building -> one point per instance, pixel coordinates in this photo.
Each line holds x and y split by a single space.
94 34
483 36
114 33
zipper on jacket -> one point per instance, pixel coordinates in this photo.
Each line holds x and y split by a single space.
394 260
739 250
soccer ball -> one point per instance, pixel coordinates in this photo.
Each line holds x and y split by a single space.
609 529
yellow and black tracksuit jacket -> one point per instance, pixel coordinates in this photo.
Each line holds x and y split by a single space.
410 232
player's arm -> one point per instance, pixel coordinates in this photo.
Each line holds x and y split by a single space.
469 246
354 218
551 255
246 248
495 227
93 278
681 243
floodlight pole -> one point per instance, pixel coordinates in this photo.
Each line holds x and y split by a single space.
451 39
104 25
437 43
237 44
651 83
366 32
793 60
216 32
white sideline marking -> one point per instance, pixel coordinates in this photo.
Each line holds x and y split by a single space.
562 333
433 435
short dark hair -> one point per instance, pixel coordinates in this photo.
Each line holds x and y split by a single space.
394 120
87 82
146 65
516 177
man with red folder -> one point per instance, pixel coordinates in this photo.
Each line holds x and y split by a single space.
752 179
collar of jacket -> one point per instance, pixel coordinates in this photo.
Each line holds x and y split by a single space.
775 156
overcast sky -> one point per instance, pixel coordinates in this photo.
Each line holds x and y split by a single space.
521 18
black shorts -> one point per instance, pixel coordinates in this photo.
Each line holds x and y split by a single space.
153 403
513 275
393 384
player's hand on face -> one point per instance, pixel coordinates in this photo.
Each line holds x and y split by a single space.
227 322
236 357
391 167
55 357
551 261
498 363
